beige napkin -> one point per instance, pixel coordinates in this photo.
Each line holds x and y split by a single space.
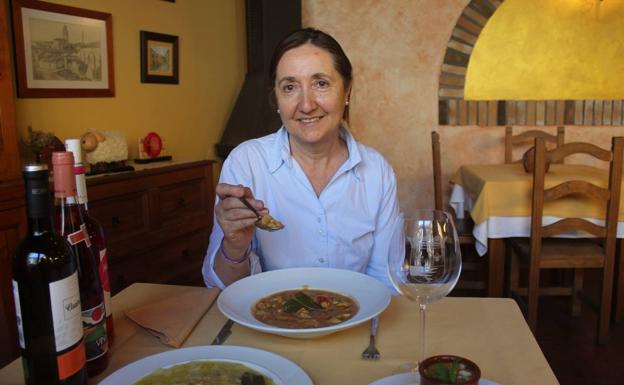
172 319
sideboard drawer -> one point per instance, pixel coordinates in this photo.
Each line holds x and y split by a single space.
157 221
125 271
181 201
175 262
181 260
122 216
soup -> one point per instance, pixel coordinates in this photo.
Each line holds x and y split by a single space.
304 309
205 372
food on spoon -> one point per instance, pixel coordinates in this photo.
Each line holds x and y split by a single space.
270 222
205 372
304 309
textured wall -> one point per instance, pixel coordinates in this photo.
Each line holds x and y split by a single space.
397 48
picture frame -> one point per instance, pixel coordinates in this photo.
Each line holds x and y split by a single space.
62 51
159 58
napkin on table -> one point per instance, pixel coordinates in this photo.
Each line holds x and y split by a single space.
172 319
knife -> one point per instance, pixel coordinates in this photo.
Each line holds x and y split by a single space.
224 333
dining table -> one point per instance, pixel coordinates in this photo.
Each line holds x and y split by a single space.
489 331
498 199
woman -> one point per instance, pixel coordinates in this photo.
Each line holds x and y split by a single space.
336 197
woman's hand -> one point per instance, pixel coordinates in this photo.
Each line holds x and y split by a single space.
236 220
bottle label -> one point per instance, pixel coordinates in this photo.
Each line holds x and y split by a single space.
18 314
66 317
103 270
71 361
96 341
81 235
65 302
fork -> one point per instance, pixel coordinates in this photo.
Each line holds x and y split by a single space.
371 352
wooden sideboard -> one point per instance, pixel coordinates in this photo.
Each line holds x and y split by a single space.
157 221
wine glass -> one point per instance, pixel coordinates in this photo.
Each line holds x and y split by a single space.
426 264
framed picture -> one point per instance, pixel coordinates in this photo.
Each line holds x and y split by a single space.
159 58
61 51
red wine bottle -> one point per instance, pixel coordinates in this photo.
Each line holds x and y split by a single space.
95 231
72 227
46 293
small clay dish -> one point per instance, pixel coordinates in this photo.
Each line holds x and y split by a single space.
448 369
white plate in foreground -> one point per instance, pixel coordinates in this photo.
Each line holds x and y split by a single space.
236 300
278 368
414 379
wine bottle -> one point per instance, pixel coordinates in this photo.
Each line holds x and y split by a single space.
46 293
94 229
73 229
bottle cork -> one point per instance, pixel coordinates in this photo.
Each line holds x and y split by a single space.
64 179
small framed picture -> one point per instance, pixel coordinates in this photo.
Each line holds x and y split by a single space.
62 51
159 58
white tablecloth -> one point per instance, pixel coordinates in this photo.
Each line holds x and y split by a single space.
505 227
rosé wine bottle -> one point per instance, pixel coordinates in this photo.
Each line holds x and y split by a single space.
71 226
95 230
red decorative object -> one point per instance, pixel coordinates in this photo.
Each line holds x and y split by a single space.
152 144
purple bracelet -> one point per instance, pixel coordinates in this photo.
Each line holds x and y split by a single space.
236 261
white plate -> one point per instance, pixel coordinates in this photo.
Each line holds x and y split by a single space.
278 368
237 299
414 379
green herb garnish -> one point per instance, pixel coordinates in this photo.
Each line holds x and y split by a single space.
300 300
445 372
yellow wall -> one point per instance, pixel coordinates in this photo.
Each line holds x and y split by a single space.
190 116
549 49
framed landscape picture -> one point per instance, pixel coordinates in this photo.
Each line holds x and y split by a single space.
62 51
159 58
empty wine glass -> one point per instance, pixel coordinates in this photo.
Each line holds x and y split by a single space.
426 264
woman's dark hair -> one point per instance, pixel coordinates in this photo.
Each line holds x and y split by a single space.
319 39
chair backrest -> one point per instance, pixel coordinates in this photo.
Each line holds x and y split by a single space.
437 171
585 189
525 137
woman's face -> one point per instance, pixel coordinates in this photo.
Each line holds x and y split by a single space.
310 94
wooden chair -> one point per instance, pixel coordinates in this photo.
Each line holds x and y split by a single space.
473 267
525 137
542 251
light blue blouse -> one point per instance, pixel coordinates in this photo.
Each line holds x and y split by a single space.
348 227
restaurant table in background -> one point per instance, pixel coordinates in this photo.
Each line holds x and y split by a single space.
490 331
498 198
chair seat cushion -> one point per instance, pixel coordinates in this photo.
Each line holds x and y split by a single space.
563 252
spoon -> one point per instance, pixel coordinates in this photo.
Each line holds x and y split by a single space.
264 222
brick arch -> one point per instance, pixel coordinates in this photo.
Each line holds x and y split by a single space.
453 109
